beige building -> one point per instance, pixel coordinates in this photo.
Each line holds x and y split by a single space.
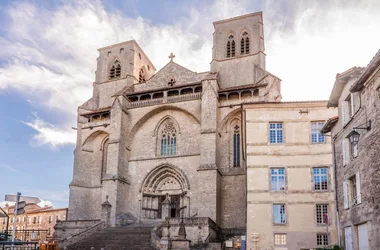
356 134
290 177
36 224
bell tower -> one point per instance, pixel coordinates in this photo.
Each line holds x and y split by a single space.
238 49
118 66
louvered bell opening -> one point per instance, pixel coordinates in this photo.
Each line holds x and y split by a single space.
112 72
118 71
247 45
228 49
233 49
242 46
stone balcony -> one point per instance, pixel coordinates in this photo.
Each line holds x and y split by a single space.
163 100
94 124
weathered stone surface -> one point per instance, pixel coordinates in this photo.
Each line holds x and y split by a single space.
366 107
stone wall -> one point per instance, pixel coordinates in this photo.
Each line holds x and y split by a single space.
367 107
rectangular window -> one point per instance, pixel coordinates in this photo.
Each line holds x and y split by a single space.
34 220
322 240
316 135
49 219
279 214
353 149
353 190
348 238
276 133
277 179
320 179
346 151
280 239
349 106
322 213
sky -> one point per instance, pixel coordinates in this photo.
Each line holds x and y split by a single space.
48 52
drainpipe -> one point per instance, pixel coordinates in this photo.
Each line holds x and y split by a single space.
244 145
336 190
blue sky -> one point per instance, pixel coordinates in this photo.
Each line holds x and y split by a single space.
48 58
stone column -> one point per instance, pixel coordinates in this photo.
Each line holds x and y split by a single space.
165 239
106 212
165 207
115 183
209 172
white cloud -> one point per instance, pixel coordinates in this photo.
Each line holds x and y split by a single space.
51 54
320 39
10 168
51 135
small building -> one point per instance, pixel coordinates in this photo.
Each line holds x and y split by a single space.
290 177
355 140
36 224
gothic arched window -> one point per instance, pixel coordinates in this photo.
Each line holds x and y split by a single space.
230 46
104 158
115 70
168 139
244 44
236 146
141 75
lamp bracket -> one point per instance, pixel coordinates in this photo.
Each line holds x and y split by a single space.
368 127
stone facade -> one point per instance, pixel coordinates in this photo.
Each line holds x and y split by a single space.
120 151
296 153
356 94
37 223
176 143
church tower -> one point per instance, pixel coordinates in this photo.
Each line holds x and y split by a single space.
118 66
238 50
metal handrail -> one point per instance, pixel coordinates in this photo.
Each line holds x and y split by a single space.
19 245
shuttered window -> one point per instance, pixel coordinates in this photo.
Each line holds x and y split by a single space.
348 238
345 194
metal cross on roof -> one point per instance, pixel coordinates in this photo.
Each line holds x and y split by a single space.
171 56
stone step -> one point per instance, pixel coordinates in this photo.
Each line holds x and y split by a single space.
117 238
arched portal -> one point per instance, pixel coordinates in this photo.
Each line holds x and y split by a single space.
164 191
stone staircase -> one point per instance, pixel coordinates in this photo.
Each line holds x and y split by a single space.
117 238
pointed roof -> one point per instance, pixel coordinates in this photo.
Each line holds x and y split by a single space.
171 72
367 72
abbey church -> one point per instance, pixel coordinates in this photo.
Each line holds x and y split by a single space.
171 145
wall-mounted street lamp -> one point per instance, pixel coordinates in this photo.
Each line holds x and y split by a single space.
354 137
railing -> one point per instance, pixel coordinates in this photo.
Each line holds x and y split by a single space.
169 99
95 124
186 97
224 103
145 103
81 235
18 245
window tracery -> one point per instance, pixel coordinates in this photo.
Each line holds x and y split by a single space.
236 146
168 139
244 44
115 70
230 47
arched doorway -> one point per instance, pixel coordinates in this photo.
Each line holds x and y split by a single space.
164 193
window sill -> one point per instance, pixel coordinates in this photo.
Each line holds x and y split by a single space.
320 191
318 143
280 224
322 225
